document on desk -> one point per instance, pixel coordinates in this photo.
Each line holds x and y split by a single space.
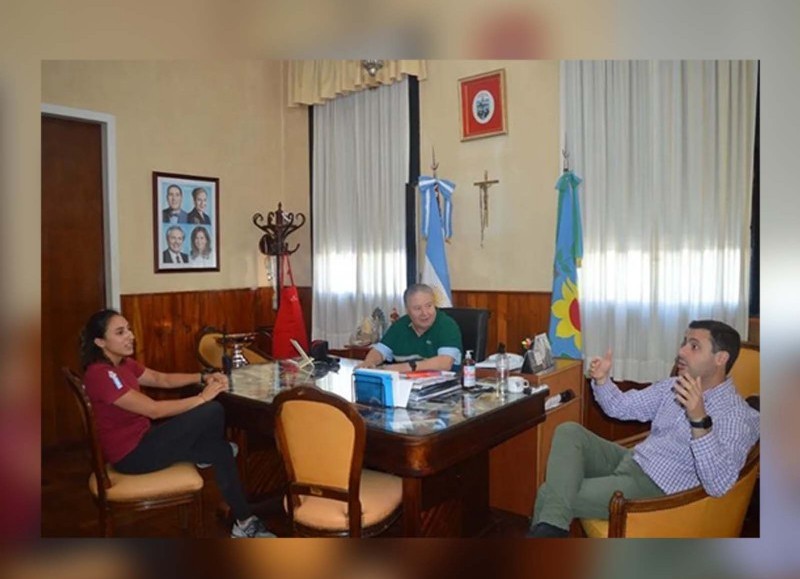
428 384
434 392
422 379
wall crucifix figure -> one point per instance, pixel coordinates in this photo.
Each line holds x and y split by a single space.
483 200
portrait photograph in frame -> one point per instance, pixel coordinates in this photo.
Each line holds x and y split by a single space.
186 223
482 100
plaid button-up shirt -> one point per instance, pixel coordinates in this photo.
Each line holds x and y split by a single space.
669 455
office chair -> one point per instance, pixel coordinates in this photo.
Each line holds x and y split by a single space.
321 438
179 485
474 325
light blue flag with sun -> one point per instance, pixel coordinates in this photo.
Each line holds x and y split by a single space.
565 313
437 227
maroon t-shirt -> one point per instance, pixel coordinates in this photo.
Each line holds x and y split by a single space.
119 430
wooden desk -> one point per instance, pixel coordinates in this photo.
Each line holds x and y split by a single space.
351 351
517 467
441 454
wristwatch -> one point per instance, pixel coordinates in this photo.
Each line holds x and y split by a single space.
413 365
705 422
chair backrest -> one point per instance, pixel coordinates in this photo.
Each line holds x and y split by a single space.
474 325
210 350
98 462
321 438
690 514
746 372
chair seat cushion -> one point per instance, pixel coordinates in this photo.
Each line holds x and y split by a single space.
178 479
595 528
380 496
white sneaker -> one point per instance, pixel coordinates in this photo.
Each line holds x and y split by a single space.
234 449
252 528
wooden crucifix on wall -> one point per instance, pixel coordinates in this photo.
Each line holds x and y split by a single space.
483 200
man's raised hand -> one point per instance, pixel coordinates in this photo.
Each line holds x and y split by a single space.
600 368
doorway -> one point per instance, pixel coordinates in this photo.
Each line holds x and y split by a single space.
75 256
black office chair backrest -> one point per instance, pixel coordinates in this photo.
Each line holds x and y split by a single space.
474 325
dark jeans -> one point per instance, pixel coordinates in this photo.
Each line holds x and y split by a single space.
197 435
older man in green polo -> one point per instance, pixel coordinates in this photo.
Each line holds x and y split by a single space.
425 338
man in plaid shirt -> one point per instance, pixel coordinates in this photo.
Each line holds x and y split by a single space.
701 433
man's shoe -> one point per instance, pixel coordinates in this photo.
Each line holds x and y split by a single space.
234 449
546 530
251 528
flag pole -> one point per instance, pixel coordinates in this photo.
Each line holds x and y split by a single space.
434 168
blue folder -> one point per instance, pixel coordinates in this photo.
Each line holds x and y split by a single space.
373 388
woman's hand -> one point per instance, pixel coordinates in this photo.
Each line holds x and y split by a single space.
214 385
217 377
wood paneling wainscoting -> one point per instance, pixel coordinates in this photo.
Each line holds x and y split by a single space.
515 315
166 325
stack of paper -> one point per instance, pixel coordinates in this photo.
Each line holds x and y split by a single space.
426 384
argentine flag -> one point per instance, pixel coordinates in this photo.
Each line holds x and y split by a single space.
436 228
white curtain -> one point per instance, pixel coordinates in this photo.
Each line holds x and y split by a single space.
360 170
665 151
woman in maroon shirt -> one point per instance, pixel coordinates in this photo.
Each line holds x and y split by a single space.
195 427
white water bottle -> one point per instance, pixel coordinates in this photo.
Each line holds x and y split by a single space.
502 365
468 378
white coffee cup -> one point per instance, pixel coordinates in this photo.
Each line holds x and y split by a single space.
517 384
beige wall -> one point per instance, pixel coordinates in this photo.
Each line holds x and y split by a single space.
225 119
229 119
518 244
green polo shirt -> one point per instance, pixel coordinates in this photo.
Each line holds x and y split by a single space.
401 343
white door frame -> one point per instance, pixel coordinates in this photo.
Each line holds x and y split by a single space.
108 127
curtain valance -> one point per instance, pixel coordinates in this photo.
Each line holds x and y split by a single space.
312 82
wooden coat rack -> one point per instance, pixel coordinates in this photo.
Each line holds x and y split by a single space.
280 225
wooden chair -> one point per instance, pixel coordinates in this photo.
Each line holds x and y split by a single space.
210 350
746 372
179 485
691 513
688 514
321 438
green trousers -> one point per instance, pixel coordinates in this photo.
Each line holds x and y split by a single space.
583 471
